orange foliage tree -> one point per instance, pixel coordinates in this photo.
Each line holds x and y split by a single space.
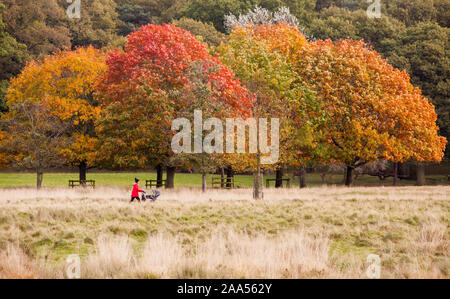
374 112
60 90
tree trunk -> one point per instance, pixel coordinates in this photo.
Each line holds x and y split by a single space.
203 182
420 174
39 178
349 176
203 174
230 175
159 176
279 178
395 173
82 172
257 180
403 170
302 177
170 183
222 177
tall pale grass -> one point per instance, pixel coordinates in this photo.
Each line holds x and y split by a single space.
432 237
224 255
287 255
15 264
163 256
113 258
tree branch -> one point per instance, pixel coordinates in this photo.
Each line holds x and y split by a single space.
337 143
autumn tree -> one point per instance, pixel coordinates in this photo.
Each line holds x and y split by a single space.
259 18
64 83
303 144
410 34
375 113
205 101
274 88
422 51
146 88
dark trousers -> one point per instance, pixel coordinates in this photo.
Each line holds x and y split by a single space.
133 198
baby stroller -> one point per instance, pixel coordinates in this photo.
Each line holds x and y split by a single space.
152 196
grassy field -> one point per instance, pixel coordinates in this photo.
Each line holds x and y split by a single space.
315 232
185 180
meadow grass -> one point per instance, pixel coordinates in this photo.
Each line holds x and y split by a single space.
315 232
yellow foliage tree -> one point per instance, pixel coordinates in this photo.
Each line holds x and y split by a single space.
62 85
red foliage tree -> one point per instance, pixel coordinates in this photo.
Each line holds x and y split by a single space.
145 88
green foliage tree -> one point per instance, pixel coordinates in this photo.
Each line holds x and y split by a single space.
4 84
322 4
97 26
207 32
442 12
339 23
132 16
412 12
13 56
136 13
212 11
274 88
39 24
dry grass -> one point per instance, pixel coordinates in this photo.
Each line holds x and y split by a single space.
317 232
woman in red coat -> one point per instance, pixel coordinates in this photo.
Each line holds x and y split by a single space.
136 190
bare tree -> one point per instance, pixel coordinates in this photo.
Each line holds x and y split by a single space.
260 16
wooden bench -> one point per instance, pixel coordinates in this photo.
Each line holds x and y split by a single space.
154 183
287 181
222 182
84 183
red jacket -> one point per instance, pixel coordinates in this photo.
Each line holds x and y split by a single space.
136 190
